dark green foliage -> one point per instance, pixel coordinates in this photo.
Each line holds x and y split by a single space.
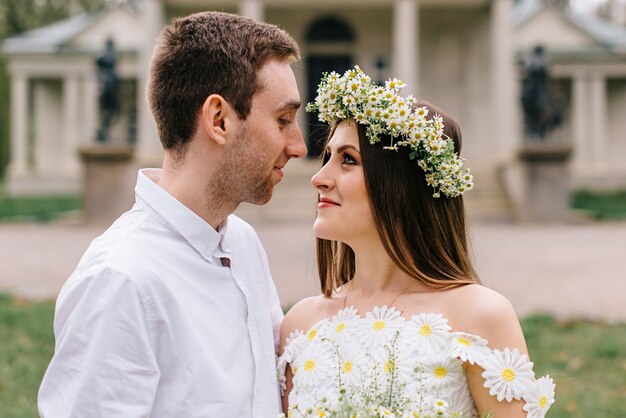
603 205
4 118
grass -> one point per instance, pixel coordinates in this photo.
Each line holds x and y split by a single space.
602 205
39 208
586 359
26 346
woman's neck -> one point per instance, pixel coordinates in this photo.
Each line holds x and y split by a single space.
375 271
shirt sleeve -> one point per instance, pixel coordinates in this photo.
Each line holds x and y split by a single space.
104 363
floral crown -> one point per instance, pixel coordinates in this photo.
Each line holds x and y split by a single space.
384 112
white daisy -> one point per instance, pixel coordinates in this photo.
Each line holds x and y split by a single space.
379 326
352 363
344 325
468 347
313 366
539 400
460 403
440 407
293 336
315 330
280 374
508 374
427 333
441 371
397 361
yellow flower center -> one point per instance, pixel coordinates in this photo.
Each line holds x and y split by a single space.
379 325
389 366
340 327
542 402
347 367
508 374
309 365
464 341
440 372
426 330
312 334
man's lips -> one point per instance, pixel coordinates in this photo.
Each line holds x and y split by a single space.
279 172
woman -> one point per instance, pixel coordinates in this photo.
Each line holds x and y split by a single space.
402 325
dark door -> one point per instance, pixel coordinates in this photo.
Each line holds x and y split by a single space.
316 65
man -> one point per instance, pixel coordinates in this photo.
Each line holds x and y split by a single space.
172 311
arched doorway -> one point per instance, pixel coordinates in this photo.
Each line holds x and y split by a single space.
329 44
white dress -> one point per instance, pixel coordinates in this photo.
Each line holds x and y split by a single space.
383 365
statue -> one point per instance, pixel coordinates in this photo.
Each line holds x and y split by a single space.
543 106
108 97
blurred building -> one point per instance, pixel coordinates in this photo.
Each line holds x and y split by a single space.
460 54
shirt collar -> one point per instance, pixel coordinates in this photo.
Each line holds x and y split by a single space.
200 235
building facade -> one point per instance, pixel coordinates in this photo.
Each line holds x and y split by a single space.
460 54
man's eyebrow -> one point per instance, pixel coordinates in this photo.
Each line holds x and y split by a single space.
292 104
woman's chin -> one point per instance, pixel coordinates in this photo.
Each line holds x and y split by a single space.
321 231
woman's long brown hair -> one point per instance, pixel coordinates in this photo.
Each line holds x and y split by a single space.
425 236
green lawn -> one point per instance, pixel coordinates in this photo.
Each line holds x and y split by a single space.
39 208
587 361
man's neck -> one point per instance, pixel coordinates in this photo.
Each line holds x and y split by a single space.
198 193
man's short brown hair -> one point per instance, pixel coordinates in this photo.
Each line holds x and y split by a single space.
208 53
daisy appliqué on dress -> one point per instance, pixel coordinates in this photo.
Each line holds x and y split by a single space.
410 366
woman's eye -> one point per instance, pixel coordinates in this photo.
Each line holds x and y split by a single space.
348 159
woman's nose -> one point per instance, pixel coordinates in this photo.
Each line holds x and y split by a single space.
320 180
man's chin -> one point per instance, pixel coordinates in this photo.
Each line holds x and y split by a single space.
262 198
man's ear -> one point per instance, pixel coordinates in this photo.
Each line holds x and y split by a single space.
216 115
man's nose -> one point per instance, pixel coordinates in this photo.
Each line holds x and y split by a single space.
297 147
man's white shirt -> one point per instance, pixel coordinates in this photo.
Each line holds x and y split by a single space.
152 324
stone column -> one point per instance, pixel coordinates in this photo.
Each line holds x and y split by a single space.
598 118
406 44
503 80
19 125
253 9
70 142
149 151
580 119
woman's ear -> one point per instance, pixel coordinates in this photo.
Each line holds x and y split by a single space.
216 115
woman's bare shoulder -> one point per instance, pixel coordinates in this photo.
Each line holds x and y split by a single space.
307 313
482 311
